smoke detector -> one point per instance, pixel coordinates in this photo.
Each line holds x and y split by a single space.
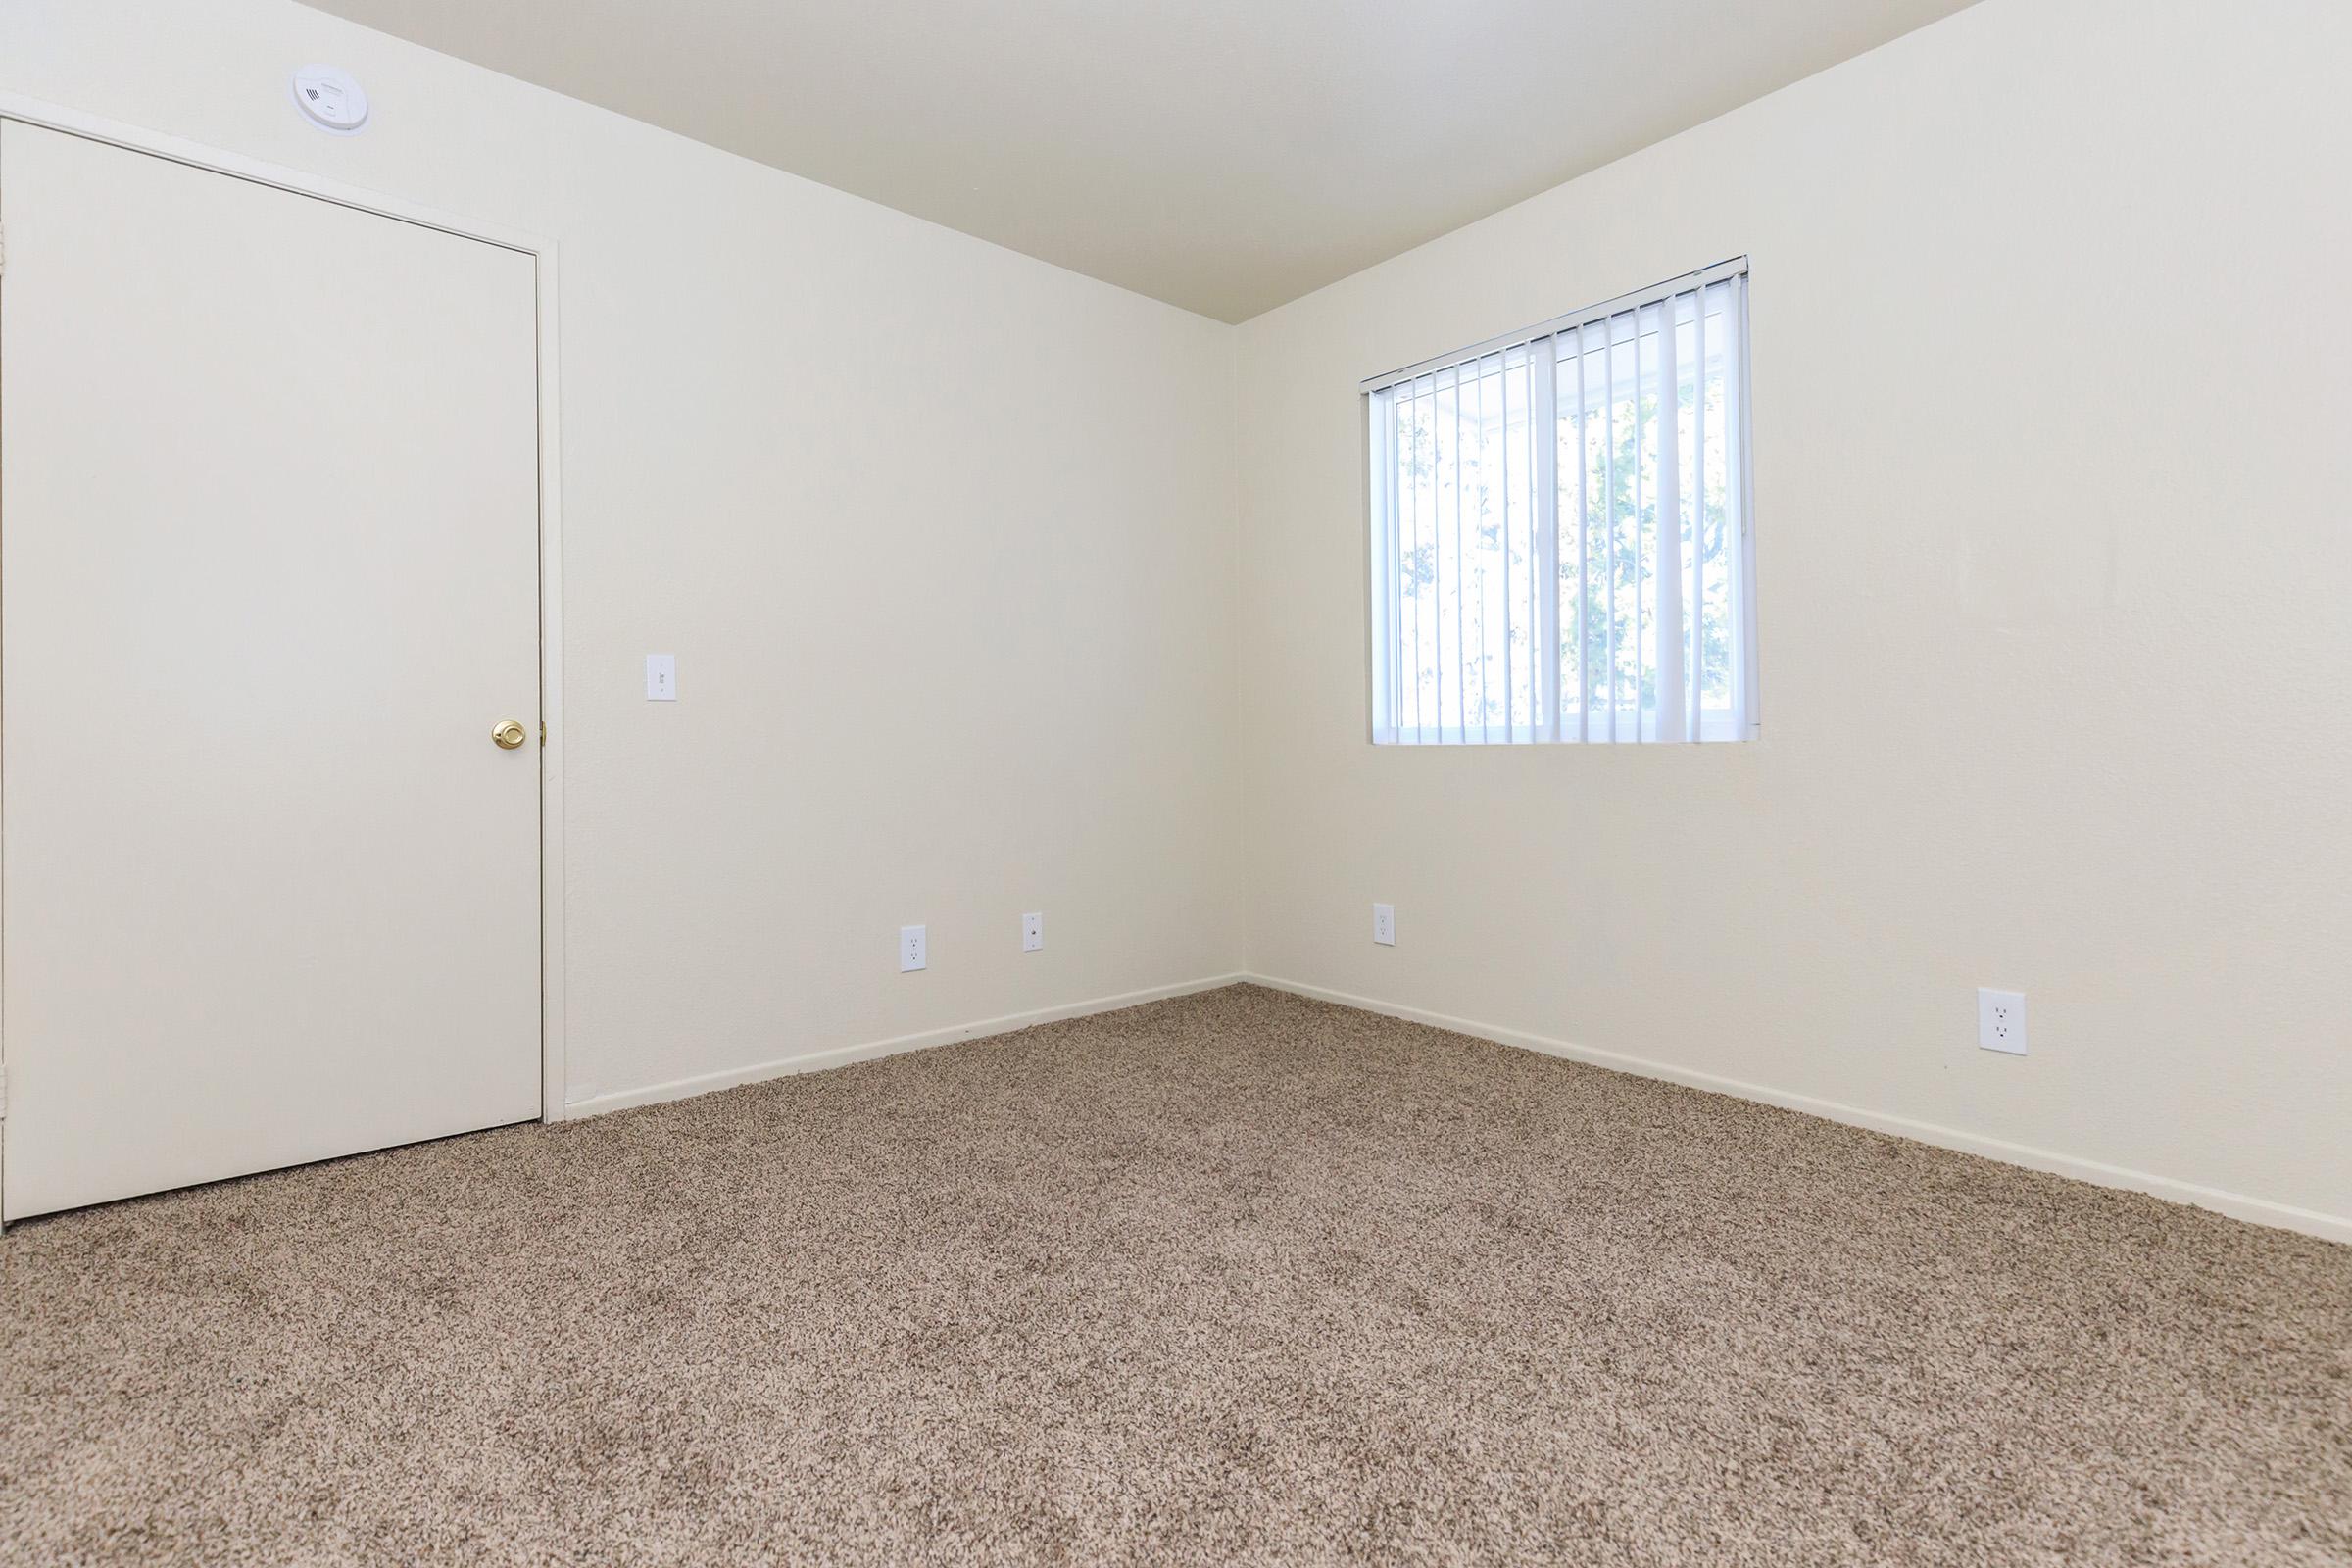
330 98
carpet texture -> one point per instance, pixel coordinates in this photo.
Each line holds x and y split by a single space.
1234 1278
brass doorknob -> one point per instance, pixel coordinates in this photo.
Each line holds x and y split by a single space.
508 735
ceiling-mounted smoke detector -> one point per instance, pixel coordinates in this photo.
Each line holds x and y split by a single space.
330 98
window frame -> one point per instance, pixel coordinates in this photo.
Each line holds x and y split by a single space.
1384 599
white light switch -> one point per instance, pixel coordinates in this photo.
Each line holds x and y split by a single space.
660 678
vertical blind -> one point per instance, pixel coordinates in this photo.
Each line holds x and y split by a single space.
1560 540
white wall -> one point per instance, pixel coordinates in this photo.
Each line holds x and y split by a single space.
942 537
2051 411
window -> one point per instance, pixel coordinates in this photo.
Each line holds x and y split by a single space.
1560 539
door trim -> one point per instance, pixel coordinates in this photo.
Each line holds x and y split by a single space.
554 1073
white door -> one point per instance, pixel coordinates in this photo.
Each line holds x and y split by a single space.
268 578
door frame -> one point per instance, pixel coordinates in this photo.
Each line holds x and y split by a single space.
554 1076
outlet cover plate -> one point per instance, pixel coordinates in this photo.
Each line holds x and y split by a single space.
2001 1021
1384 924
915 948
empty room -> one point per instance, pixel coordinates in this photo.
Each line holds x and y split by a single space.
1175 781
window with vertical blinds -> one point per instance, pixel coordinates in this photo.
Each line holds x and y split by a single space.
1560 538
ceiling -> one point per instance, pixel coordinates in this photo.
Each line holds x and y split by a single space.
1223 155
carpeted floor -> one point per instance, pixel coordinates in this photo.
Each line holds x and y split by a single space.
1236 1277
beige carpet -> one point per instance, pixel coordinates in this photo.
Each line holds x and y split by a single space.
1236 1278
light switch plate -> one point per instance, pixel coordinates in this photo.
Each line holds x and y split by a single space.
660 678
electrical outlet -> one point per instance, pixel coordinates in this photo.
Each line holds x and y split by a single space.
1384 924
2001 1021
914 951
1033 932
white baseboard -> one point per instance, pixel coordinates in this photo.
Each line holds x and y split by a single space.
843 1056
2258 1210
2261 1211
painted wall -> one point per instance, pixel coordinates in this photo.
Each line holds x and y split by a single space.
942 538
2050 402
